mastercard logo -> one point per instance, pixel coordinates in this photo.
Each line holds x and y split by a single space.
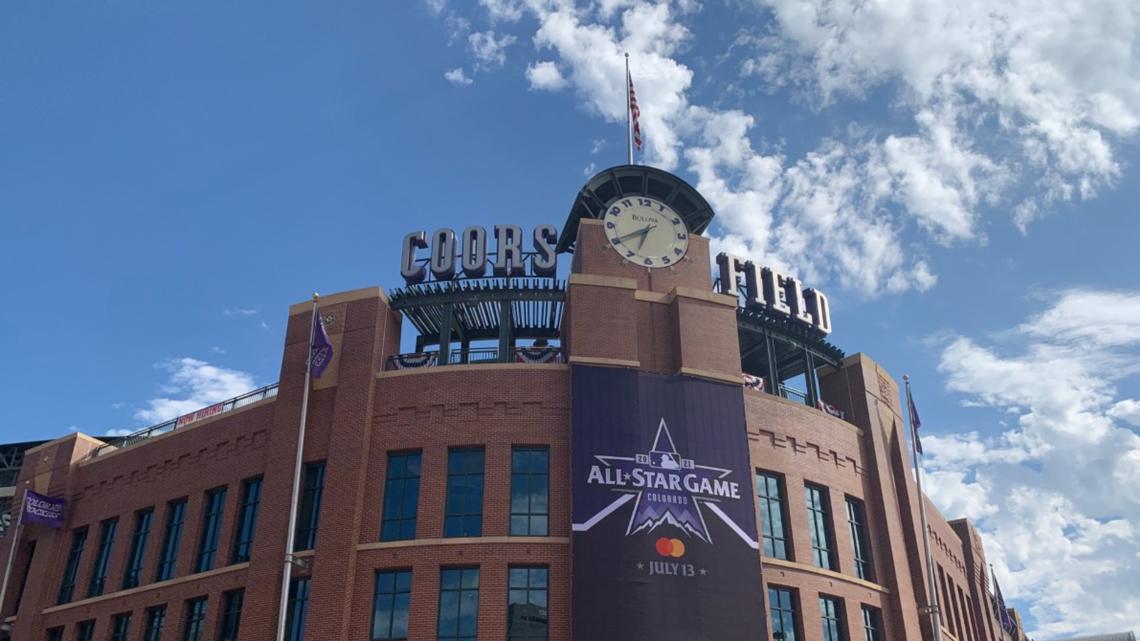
670 547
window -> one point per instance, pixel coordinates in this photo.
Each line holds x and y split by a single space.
458 604
102 556
391 605
298 610
120 626
168 561
78 541
401 497
857 519
782 603
305 537
769 493
138 548
530 489
155 620
195 619
526 604
55 634
819 519
831 615
231 615
463 513
872 623
247 522
85 631
211 529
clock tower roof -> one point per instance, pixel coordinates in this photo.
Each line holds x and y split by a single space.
623 181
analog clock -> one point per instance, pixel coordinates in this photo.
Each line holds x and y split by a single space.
646 232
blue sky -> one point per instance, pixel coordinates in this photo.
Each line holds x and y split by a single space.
962 184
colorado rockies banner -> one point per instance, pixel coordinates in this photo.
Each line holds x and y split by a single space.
665 544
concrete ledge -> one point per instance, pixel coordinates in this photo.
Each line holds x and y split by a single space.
237 567
479 367
602 281
811 569
716 376
474 540
341 297
705 296
604 362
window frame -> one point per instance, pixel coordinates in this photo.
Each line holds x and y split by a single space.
832 617
229 626
863 559
155 622
469 524
121 627
527 589
529 477
297 611
136 557
400 588
819 518
791 611
195 623
464 572
98 579
764 507
167 567
395 521
309 506
872 623
71 568
213 512
246 527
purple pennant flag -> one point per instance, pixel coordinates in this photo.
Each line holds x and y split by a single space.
320 349
44 509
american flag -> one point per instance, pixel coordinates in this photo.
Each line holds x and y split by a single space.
915 423
634 112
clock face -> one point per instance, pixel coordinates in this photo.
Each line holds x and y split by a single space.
646 232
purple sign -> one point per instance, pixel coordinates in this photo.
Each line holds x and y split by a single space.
44 509
665 543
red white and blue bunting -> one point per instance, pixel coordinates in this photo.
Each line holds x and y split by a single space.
828 408
536 354
753 382
415 360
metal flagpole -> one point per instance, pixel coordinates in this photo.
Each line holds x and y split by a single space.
287 574
628 115
12 549
932 608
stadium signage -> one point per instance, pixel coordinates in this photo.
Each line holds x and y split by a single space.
767 288
465 255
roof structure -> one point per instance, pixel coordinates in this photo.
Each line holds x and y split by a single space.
1116 636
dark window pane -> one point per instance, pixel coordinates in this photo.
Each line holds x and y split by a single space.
527 604
463 506
133 575
458 604
85 631
390 606
872 624
298 611
247 522
195 620
781 603
401 497
831 617
211 530
305 537
231 615
102 557
819 525
120 627
155 621
771 504
74 554
856 519
530 483
168 560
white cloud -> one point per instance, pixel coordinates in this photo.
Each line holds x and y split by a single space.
192 385
1005 108
1057 496
489 52
239 312
120 431
545 76
435 6
457 77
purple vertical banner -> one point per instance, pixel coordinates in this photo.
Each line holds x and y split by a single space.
47 510
664 521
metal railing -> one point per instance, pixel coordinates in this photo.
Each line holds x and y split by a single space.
474 355
134 438
793 394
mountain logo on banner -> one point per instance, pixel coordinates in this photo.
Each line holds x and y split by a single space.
667 489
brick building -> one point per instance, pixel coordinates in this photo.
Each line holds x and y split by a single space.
436 496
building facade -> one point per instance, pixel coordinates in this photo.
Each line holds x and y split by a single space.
440 489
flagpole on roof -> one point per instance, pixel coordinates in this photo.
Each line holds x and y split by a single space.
628 114
12 549
290 560
932 607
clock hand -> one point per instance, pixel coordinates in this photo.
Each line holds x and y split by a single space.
640 231
644 235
